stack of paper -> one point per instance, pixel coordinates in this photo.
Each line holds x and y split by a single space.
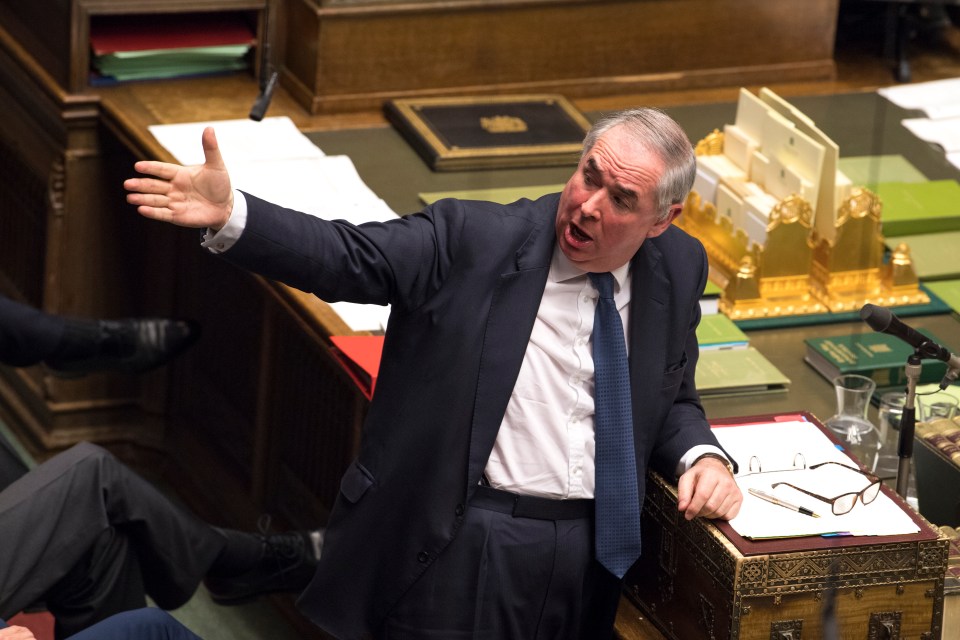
272 160
130 48
767 453
940 102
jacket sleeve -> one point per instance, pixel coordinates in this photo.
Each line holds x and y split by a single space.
685 425
399 262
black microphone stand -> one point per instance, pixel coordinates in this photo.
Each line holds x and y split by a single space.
908 423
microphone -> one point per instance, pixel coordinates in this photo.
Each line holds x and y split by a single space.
883 320
268 79
259 108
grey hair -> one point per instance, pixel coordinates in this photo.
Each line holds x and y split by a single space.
660 134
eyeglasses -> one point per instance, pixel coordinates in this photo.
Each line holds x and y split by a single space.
843 503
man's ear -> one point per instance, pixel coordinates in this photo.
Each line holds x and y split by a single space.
663 225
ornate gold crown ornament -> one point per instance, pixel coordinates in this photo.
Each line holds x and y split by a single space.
809 261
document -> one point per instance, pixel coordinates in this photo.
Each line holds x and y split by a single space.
782 452
241 141
937 99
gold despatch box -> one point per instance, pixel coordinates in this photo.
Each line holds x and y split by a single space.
701 580
491 132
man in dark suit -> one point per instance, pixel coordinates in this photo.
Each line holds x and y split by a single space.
468 512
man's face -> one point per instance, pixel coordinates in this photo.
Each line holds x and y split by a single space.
608 207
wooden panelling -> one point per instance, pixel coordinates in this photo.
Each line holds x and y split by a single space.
336 56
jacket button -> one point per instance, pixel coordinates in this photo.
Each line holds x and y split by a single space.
423 556
459 510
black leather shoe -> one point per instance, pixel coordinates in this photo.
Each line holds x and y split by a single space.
288 563
130 346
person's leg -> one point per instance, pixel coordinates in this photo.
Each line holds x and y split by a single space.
139 624
88 536
27 335
104 581
75 346
55 517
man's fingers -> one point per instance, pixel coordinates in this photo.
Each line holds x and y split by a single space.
211 149
148 200
156 213
162 170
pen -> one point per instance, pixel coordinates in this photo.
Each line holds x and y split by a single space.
775 500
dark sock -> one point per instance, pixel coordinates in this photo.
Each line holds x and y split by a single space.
241 553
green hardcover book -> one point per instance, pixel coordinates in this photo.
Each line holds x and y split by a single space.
717 331
934 255
868 171
737 372
880 356
919 207
948 291
710 300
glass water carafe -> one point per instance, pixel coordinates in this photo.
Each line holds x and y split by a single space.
850 424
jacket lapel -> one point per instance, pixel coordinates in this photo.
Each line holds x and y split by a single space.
649 331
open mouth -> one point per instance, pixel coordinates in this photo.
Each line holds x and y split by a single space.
578 234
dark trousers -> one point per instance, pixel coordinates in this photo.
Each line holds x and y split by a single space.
139 624
507 577
27 335
88 537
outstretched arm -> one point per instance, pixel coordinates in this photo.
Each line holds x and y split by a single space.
199 196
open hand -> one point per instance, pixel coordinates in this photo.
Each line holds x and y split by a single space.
199 196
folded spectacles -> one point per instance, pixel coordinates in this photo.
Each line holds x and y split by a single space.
845 502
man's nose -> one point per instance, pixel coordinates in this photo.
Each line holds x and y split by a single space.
592 205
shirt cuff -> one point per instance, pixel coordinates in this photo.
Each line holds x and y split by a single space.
694 454
226 237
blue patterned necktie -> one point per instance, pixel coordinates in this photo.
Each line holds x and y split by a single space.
617 522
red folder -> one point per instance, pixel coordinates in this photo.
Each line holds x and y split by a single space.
112 34
360 358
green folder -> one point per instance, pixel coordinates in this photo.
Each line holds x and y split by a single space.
910 208
737 372
948 291
936 256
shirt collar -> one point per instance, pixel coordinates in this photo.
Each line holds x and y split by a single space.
562 269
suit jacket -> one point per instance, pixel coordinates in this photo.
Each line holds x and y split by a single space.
464 280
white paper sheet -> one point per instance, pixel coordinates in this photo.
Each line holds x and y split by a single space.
240 141
937 99
944 132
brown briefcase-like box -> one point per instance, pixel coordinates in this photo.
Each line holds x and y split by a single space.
700 579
